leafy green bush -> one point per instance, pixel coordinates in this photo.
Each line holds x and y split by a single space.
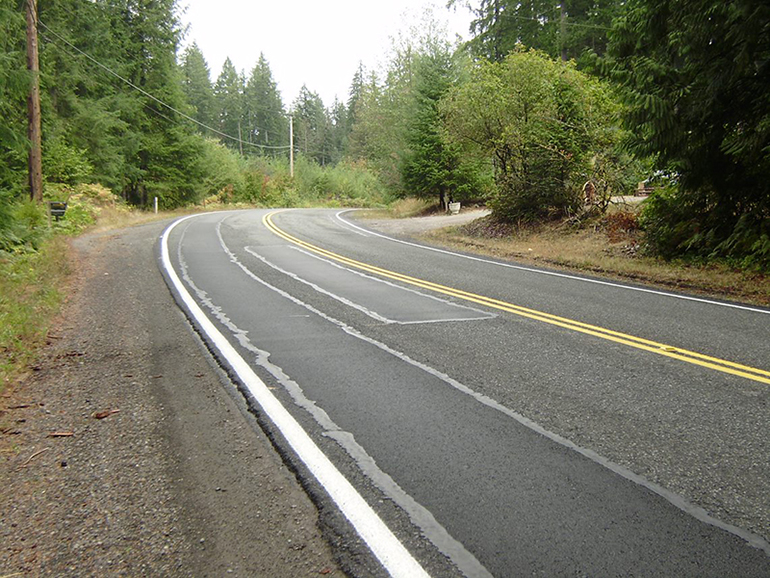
223 172
546 128
267 182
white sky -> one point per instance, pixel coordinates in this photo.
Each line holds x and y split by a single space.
318 43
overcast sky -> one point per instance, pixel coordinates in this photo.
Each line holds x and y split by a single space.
314 42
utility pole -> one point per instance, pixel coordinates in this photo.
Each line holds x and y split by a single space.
291 146
33 107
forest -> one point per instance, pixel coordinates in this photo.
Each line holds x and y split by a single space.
543 100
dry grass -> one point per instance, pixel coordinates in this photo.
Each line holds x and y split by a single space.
403 209
607 247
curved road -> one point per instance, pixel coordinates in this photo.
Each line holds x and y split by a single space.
469 417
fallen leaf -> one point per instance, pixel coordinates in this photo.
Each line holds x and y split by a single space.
105 413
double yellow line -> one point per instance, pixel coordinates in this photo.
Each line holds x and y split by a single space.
693 357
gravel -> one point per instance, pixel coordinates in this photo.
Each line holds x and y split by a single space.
126 453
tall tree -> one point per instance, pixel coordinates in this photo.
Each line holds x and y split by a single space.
383 111
165 147
228 92
565 29
431 166
196 79
696 80
311 126
13 91
354 94
266 118
91 52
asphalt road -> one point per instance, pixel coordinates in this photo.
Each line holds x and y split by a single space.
498 420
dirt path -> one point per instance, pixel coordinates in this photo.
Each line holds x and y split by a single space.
124 453
417 225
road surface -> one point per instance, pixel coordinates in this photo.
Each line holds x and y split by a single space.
462 416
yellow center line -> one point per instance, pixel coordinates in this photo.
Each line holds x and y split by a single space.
693 357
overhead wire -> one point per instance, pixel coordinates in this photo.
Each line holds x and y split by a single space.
154 98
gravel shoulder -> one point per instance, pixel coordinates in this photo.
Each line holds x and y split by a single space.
125 453
417 225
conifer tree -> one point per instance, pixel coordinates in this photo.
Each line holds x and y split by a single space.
196 79
266 118
432 167
228 93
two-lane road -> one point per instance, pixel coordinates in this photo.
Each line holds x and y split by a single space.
469 416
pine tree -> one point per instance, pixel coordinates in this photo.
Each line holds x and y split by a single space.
266 118
565 29
696 81
432 166
228 94
13 91
311 126
196 81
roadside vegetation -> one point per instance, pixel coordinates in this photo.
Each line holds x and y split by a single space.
35 256
548 112
611 247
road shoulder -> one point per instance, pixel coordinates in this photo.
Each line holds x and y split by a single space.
124 452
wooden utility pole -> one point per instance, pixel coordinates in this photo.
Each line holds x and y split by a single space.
33 107
291 146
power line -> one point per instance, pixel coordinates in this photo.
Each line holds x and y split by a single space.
148 95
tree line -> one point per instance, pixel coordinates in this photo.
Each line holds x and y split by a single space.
545 99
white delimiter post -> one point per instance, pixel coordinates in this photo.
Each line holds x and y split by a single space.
291 146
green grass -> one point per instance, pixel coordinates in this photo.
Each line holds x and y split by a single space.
30 295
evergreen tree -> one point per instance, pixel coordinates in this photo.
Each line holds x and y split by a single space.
354 95
311 126
96 122
14 83
431 167
382 115
566 29
163 142
267 122
228 93
196 80
338 130
696 83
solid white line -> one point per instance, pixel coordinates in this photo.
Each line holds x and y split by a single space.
544 272
391 553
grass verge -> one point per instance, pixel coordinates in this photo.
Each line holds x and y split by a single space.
33 283
31 294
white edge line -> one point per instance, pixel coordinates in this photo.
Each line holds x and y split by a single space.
391 553
552 273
